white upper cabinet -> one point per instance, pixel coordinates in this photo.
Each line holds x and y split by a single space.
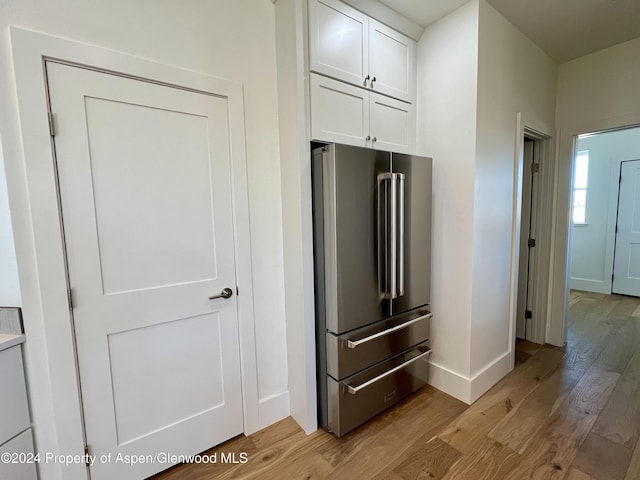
391 62
346 114
347 45
339 41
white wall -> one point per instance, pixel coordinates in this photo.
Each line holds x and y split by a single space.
514 76
227 39
475 73
446 130
596 92
593 243
293 103
9 282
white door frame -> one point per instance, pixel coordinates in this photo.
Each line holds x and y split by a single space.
556 331
544 156
50 350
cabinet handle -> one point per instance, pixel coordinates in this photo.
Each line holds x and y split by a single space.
374 139
368 138
365 80
373 80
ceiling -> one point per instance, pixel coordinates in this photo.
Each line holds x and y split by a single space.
565 29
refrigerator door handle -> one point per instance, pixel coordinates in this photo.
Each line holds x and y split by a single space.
382 287
400 181
393 248
387 235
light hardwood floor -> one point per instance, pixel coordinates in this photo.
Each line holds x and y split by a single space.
570 413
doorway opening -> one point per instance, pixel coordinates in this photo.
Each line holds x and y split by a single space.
605 228
534 238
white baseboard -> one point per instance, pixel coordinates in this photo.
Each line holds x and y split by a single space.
273 409
588 285
469 389
450 382
490 375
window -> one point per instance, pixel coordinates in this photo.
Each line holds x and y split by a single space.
580 177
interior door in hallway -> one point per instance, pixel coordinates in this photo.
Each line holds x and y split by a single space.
626 263
145 187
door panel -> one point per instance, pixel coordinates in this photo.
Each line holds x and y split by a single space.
144 174
416 265
120 203
626 265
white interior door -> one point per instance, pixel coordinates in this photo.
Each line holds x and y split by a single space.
626 264
144 173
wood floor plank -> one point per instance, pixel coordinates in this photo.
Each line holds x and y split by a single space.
578 475
469 430
551 452
602 459
391 442
518 428
621 345
619 422
633 472
430 460
490 461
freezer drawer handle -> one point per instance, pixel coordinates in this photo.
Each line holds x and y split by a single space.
354 344
354 390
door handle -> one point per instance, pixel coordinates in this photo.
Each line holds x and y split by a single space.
225 293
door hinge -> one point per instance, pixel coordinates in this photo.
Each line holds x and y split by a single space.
237 291
535 168
528 314
70 298
87 455
52 125
531 242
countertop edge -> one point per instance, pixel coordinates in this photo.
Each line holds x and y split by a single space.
8 340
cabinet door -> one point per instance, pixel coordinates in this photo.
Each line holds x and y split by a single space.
392 124
14 410
391 62
24 468
339 112
338 41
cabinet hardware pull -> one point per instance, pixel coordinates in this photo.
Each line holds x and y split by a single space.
353 390
355 343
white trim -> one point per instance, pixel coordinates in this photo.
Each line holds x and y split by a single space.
273 409
589 285
490 375
516 222
450 382
536 329
469 389
50 353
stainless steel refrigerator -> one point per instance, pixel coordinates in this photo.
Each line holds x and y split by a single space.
372 254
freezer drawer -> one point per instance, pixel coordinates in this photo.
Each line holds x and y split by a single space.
354 351
360 397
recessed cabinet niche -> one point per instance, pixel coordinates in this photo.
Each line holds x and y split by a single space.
350 46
